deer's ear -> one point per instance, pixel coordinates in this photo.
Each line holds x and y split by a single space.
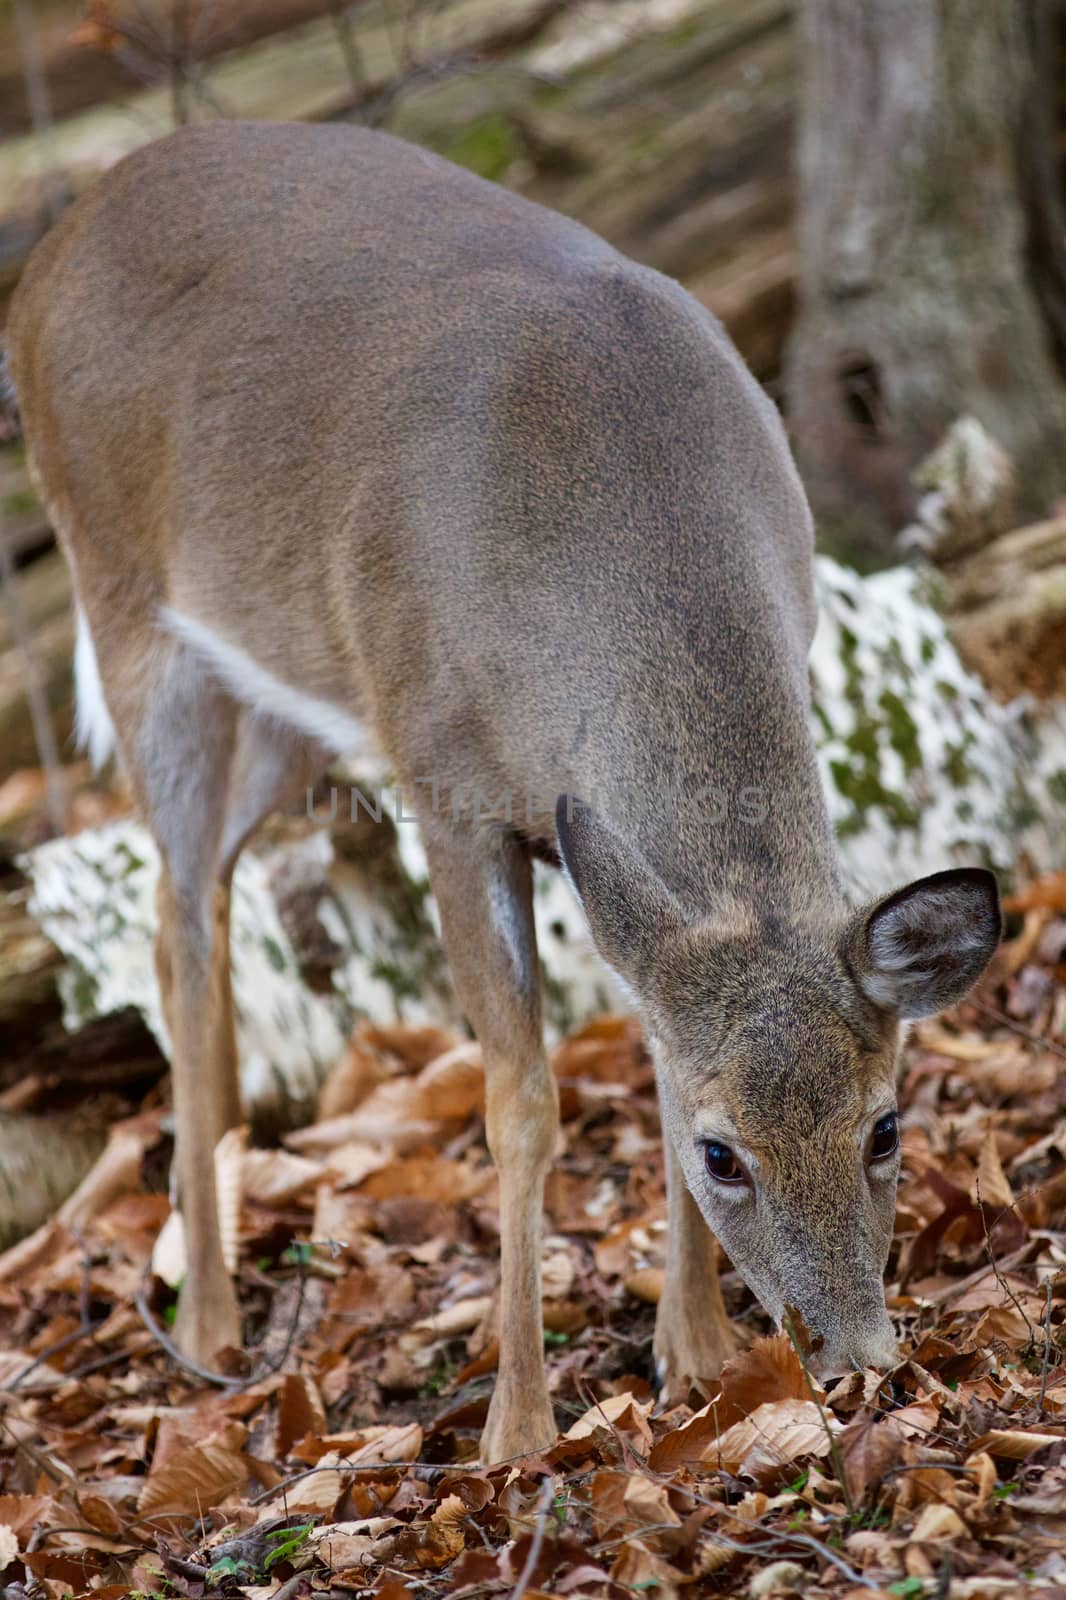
921 949
629 909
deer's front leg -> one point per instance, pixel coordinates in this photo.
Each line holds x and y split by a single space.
693 1333
483 885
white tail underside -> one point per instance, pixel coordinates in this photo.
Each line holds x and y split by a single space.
268 696
94 732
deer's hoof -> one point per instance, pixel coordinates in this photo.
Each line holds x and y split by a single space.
201 1331
683 1364
520 1429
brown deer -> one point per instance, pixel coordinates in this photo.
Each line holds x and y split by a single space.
347 446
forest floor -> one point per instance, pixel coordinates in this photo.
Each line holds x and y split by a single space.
340 1456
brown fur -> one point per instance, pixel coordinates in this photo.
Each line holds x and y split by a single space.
447 461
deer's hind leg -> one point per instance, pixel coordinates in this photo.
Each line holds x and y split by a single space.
206 773
178 733
273 767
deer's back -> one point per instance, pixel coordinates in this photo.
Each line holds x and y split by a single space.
384 425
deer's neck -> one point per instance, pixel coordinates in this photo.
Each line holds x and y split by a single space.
733 805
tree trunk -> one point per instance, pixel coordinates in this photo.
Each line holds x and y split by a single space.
915 304
1042 165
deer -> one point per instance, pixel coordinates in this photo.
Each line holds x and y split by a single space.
351 449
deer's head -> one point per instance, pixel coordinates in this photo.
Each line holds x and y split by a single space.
775 1040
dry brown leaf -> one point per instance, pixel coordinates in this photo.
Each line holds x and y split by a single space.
1048 891
322 1486
24 1512
462 1317
869 1447
1003 1324
392 1589
117 1170
919 1420
775 1435
983 1469
347 1084
959 1047
1016 1444
938 1522
556 1274
647 1501
777 1577
607 1503
347 1545
646 1284
769 1369
618 1411
13 1363
929 1485
22 792
991 1186
276 1177
452 1087
427 1178
366 1299
688 1443
445 1535
229 1174
642 1571
359 1129
415 1045
300 1411
169 1254
385 1444
621 1246
198 1477
354 1160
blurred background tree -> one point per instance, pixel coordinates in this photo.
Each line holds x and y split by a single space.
931 250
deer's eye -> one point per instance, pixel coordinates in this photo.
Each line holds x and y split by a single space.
885 1141
722 1164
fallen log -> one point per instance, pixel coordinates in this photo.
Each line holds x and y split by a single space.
40 1058
42 1161
1007 610
43 594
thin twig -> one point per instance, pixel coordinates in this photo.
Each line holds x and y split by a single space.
58 1471
85 1327
627 1450
834 1448
220 1381
46 1355
1019 1028
941 1297
354 1466
771 1542
529 1566
1047 1347
993 1263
